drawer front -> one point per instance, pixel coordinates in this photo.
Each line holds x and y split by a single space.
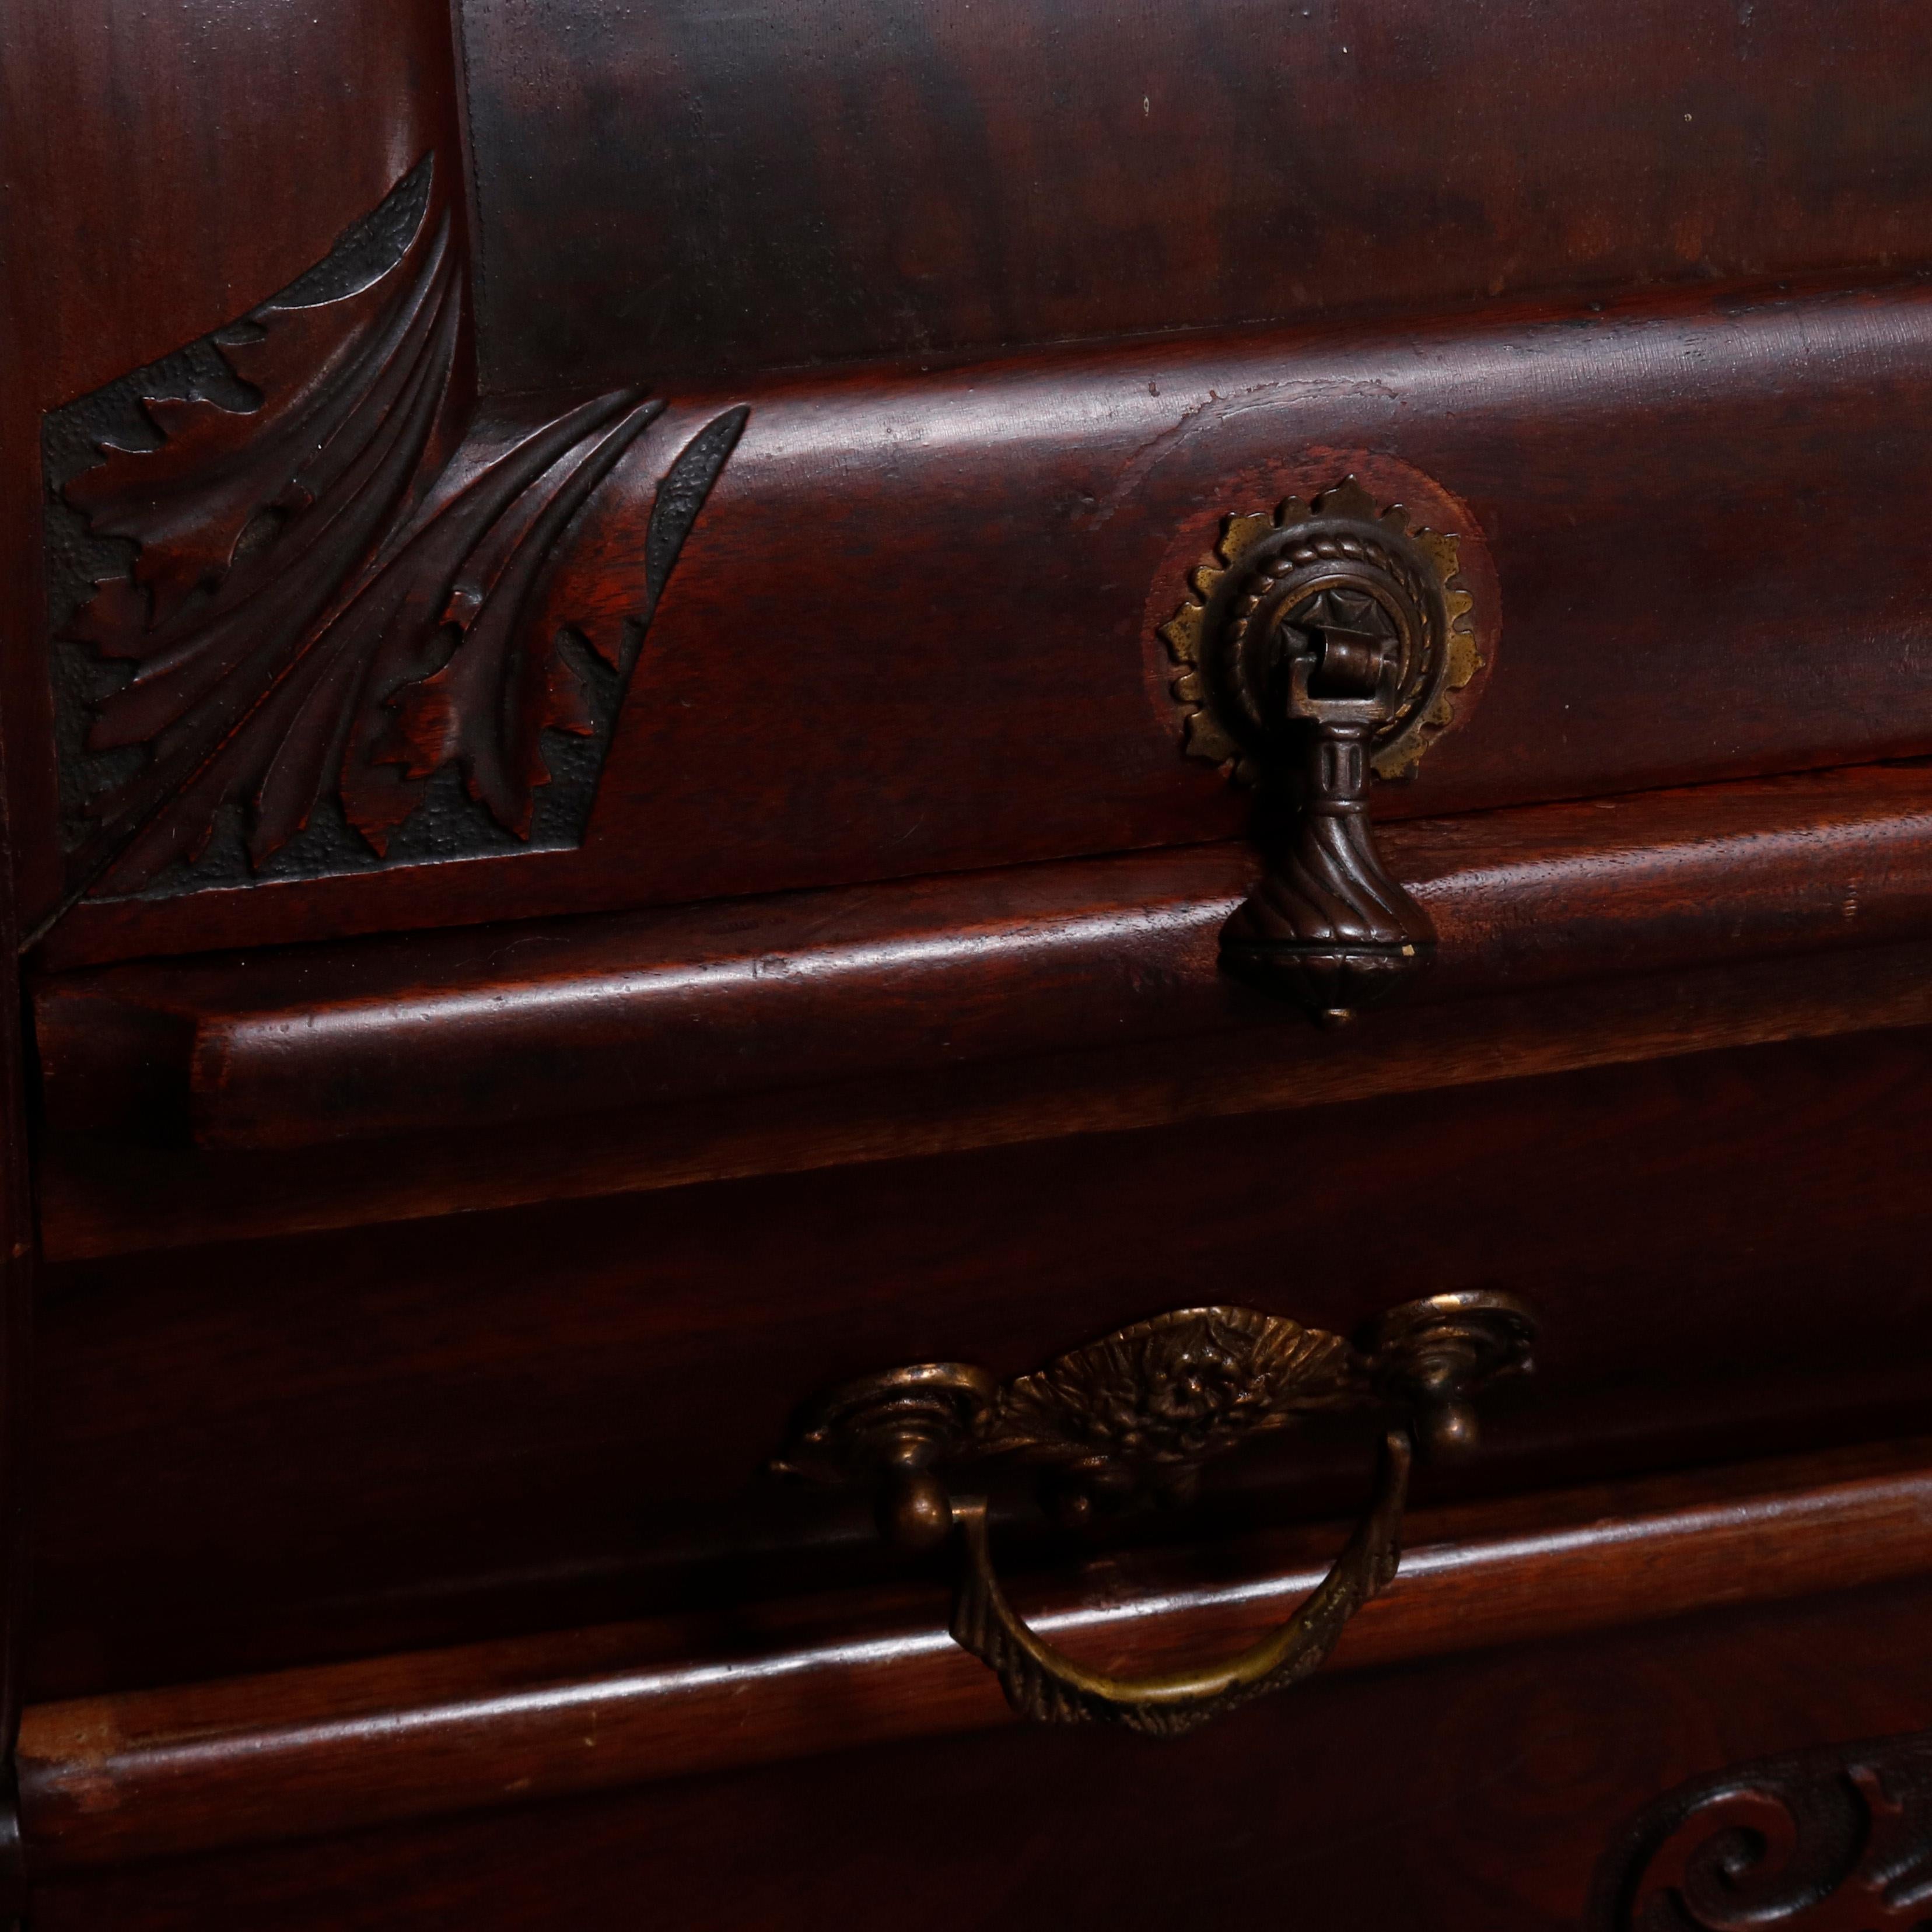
925 624
347 616
1210 164
256 1451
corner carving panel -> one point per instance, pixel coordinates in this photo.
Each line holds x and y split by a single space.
309 617
1837 1840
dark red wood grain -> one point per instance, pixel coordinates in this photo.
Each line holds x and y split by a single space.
1019 713
103 1196
819 182
20 1269
400 1079
164 171
192 137
423 1262
419 1426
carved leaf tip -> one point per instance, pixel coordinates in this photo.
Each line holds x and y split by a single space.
114 620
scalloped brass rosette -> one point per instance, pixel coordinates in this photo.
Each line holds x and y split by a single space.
1266 570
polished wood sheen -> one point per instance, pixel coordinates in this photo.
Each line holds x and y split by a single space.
311 1752
1032 631
672 679
1554 430
551 1020
529 1412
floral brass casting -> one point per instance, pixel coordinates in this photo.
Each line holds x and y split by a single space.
1135 1417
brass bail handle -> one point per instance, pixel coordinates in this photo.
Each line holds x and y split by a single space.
1138 1413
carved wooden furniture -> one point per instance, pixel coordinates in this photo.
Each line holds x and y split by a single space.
694 710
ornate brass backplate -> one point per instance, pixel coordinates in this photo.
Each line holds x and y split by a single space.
1326 639
1135 1417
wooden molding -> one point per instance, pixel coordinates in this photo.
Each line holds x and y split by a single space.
280 1091
312 1752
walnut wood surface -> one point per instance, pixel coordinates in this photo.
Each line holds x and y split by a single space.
1020 713
298 579
872 1017
315 1752
914 1054
20 1268
103 1198
161 178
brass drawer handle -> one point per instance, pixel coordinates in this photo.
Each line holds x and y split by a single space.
1320 643
1046 1685
1136 1416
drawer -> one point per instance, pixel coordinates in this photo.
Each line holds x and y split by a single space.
367 1434
490 1268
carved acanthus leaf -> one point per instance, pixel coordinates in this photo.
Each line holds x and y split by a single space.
332 593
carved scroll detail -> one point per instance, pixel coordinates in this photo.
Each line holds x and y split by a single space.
1838 1840
340 579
